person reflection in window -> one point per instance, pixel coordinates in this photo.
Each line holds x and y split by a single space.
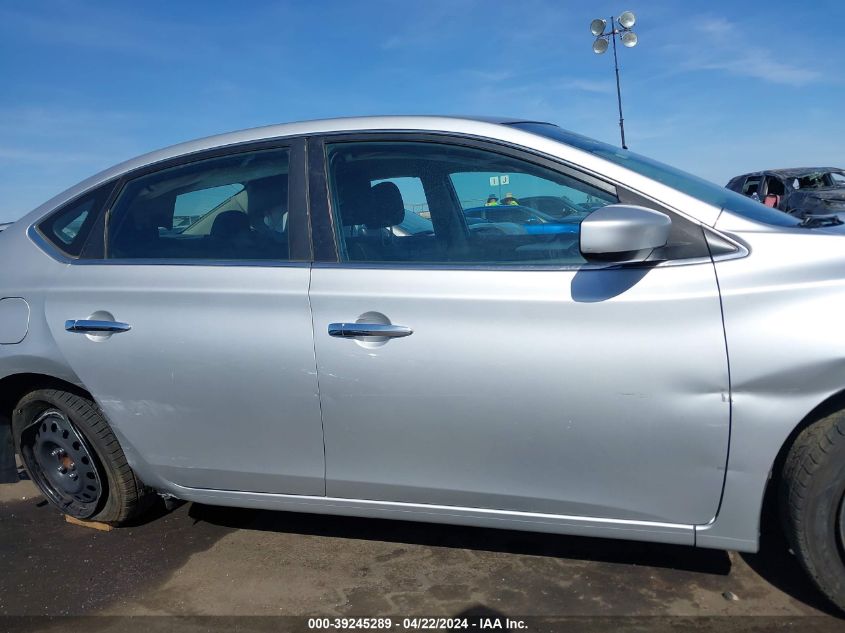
510 200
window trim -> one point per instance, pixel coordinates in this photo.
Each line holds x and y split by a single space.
323 216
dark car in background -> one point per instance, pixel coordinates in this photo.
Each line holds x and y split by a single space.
806 191
560 207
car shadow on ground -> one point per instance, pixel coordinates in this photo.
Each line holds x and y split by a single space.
461 537
773 563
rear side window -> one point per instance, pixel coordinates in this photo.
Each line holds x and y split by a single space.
228 208
69 228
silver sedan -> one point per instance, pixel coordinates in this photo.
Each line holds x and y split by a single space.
303 317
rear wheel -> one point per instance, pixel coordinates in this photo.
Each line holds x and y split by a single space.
813 503
74 458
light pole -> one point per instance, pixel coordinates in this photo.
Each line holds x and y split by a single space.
618 26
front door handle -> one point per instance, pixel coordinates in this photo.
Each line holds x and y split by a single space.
88 326
354 330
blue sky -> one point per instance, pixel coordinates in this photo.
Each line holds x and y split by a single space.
717 88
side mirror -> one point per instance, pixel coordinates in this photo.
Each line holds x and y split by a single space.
623 233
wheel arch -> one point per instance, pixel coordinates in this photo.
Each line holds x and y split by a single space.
15 386
12 389
769 505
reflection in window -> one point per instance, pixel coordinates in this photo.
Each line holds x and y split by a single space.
232 207
431 202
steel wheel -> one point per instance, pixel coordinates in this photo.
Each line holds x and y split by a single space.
63 465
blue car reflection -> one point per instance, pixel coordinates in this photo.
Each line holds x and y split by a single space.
530 221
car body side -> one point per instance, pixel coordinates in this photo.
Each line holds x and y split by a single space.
783 367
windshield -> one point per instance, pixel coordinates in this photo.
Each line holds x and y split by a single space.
682 181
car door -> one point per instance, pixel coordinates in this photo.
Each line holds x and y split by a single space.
478 367
191 327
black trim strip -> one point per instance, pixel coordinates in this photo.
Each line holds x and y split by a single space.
299 238
322 218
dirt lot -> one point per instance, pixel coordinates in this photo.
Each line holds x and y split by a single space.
203 560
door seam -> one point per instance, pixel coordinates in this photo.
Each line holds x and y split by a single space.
317 374
730 402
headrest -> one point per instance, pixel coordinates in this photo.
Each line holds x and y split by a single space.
230 223
265 194
353 196
376 207
388 209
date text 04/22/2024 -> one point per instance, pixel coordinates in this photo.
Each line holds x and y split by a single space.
478 623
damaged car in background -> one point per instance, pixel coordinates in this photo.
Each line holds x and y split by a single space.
802 192
244 320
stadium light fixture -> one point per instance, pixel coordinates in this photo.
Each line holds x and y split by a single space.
620 26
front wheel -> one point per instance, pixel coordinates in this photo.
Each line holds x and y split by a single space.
813 503
73 457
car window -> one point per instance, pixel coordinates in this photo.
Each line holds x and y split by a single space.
415 224
417 216
752 186
820 180
69 227
444 190
536 198
231 207
196 205
687 183
774 186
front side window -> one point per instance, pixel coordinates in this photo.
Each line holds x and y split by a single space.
433 202
232 207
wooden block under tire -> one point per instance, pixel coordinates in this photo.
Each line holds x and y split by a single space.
95 525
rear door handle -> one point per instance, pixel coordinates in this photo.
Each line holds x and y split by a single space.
87 326
353 330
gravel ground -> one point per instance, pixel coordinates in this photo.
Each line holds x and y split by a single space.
202 560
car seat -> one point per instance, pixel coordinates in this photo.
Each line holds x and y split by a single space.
772 200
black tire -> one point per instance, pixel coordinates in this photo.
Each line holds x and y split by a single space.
61 432
812 505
